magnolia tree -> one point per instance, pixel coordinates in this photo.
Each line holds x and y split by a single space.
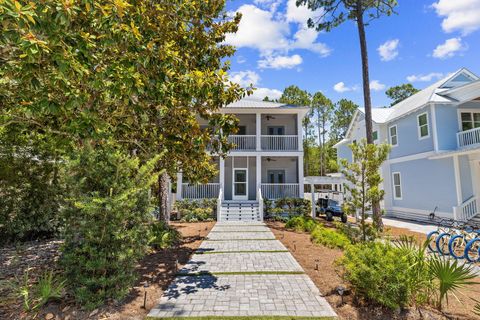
364 179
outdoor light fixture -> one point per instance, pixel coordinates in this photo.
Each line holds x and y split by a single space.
341 291
145 286
176 266
316 264
294 246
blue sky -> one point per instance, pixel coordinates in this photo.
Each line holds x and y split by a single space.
426 40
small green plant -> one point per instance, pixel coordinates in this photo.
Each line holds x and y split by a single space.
49 287
163 236
476 309
196 210
450 276
329 238
22 287
301 224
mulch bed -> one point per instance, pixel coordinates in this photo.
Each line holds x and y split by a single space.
319 263
157 268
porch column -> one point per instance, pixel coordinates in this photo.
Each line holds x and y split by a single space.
222 175
179 185
259 173
300 176
300 132
312 191
258 132
458 184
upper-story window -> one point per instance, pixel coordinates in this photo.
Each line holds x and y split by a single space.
393 135
470 120
422 121
375 135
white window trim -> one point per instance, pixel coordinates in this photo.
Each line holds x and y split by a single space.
418 126
390 135
393 185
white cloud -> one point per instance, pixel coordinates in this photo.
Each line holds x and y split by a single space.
341 87
280 62
449 48
268 4
424 77
376 85
388 50
459 15
270 32
261 93
245 78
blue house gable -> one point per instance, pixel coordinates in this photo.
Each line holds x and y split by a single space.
434 163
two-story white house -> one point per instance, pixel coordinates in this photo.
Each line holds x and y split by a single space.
266 162
435 157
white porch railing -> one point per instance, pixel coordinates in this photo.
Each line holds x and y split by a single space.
466 210
280 143
219 205
200 191
260 203
280 190
243 142
468 137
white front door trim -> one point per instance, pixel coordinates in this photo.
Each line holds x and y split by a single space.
240 197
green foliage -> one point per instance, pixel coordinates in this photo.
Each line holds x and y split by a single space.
364 179
322 108
401 92
376 273
106 223
330 238
162 236
342 116
196 210
301 224
450 276
293 206
48 287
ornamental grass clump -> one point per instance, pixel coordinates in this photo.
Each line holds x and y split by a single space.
106 223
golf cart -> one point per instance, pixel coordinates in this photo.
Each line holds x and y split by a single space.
330 208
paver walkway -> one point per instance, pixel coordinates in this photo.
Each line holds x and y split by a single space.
241 270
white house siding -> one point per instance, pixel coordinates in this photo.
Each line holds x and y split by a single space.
344 152
465 177
426 184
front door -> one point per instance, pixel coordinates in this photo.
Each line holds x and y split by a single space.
276 176
240 184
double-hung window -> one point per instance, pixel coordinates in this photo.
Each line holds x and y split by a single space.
470 120
393 135
375 135
422 121
397 186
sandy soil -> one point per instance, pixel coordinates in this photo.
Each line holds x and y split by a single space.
157 268
319 263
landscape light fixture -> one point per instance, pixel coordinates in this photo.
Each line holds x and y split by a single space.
145 286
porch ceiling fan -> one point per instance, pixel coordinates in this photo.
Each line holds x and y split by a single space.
270 159
270 118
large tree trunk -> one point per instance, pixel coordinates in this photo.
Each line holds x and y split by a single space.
377 218
163 213
320 144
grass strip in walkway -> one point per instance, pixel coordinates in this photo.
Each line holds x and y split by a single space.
240 251
213 231
242 318
253 239
236 273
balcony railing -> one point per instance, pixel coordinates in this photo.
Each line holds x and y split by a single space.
200 191
280 143
280 190
468 137
243 142
466 210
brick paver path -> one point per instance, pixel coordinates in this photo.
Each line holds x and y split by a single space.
274 283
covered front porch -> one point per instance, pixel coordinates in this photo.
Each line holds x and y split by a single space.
246 178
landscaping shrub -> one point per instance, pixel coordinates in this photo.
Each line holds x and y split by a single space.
106 223
301 224
196 210
163 236
329 237
287 207
376 272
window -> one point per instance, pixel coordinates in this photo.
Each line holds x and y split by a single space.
276 130
393 136
470 120
242 130
276 176
423 126
375 135
397 186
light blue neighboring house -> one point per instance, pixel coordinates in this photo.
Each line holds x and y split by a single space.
435 157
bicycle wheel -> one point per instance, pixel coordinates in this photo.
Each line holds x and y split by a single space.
432 241
472 250
442 243
456 246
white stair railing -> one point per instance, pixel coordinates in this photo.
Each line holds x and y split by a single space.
467 210
200 191
468 137
260 203
280 190
279 142
219 205
243 142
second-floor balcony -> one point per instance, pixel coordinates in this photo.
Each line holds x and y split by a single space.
267 142
468 138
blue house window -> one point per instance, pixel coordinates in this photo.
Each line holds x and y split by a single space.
393 135
397 186
423 131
